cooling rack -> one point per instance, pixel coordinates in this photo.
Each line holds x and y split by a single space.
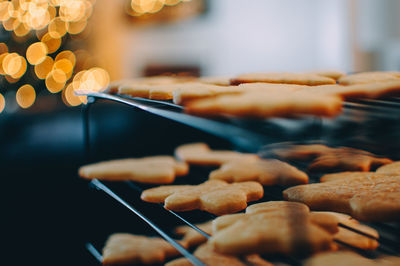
252 135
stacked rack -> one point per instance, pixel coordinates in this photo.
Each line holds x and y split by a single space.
366 124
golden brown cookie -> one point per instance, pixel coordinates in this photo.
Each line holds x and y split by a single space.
346 161
348 174
376 198
123 248
342 258
302 152
219 80
201 154
183 95
349 237
214 196
288 78
389 169
266 172
212 258
379 89
191 237
273 227
368 77
265 104
333 74
152 170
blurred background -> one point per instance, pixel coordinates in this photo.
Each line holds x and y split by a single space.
50 48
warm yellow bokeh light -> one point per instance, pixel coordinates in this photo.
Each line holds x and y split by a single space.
37 17
57 28
94 79
12 63
44 68
171 2
2 103
65 66
22 30
52 43
2 56
53 79
72 10
11 79
26 96
36 53
69 96
66 55
21 70
3 48
76 27
4 10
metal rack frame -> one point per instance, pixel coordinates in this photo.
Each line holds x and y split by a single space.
240 137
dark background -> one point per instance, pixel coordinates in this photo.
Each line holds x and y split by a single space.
50 213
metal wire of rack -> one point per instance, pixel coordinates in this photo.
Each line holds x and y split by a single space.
247 140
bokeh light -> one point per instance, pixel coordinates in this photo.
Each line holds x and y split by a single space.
44 68
52 43
2 103
49 21
55 81
141 7
36 53
25 96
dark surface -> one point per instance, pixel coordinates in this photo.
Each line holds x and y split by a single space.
49 212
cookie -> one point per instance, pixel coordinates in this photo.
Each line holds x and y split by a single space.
221 81
333 74
123 248
214 196
349 237
302 152
389 169
343 175
191 237
343 258
288 78
201 154
376 198
152 170
184 95
264 104
266 172
378 89
368 77
275 227
207 255
346 161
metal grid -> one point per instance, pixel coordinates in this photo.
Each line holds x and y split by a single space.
240 134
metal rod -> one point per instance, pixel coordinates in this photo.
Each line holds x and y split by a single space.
358 231
94 252
195 261
135 187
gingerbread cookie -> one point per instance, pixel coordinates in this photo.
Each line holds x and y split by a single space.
333 74
214 196
376 198
265 104
347 258
349 237
191 237
201 154
288 78
266 172
152 170
212 258
123 248
389 169
368 77
342 161
273 227
221 81
342 175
